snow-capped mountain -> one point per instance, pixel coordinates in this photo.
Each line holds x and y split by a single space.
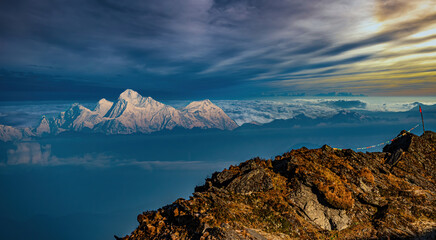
131 113
8 133
208 115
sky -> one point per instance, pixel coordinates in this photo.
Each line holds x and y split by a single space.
218 49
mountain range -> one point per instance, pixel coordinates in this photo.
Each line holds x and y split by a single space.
131 113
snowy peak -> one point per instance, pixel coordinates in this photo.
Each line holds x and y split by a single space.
129 93
130 96
117 109
8 133
205 105
43 127
103 107
134 98
74 111
209 115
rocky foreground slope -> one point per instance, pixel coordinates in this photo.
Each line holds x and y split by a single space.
311 194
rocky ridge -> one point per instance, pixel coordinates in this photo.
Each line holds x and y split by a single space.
321 193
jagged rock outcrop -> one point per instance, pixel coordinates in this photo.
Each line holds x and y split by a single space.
311 194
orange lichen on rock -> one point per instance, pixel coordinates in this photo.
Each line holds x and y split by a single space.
367 175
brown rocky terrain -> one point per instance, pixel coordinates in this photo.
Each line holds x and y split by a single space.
311 194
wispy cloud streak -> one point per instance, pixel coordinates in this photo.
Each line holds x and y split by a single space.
214 47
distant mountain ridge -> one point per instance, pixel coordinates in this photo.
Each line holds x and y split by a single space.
131 113
342 116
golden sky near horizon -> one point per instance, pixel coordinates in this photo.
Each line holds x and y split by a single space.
400 35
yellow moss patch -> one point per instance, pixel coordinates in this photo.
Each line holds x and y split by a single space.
337 195
366 175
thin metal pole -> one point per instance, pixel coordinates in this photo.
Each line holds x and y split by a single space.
422 118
